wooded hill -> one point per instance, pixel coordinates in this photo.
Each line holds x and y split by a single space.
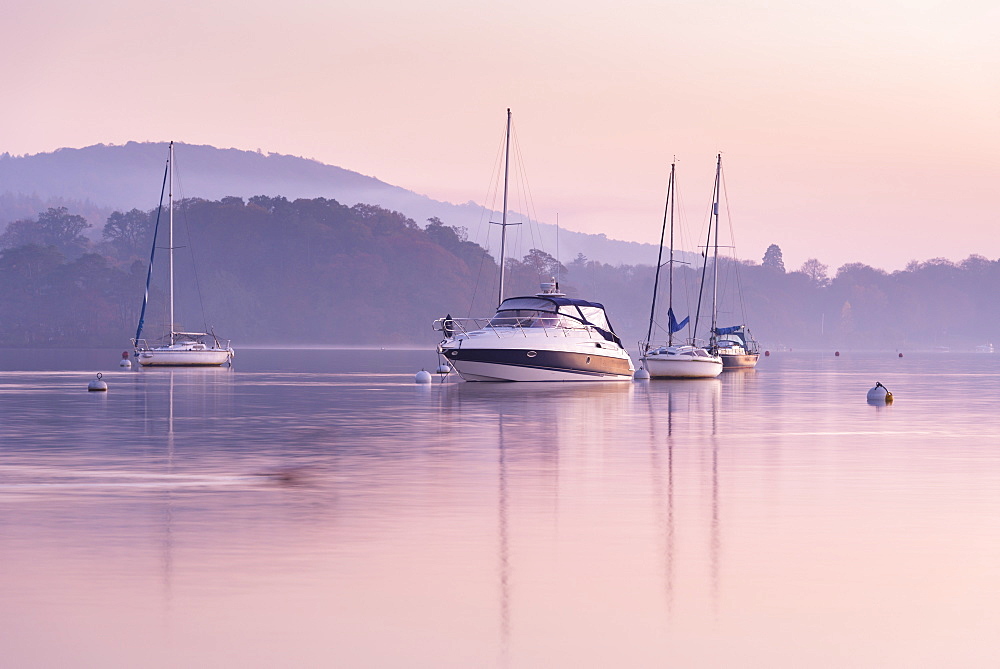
95 180
271 271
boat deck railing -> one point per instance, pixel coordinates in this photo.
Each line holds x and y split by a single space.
219 344
550 327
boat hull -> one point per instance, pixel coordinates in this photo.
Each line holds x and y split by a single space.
173 358
681 367
739 360
537 364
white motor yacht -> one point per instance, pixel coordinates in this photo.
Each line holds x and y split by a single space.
545 337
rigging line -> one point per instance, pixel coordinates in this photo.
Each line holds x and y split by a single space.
194 264
524 211
558 264
479 275
152 252
683 241
659 260
493 187
704 266
736 259
528 201
486 213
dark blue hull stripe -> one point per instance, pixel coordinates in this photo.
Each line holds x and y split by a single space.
558 361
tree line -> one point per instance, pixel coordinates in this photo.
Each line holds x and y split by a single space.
268 270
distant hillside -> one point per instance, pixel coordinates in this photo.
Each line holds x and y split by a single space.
96 180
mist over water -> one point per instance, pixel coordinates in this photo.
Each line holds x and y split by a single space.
319 508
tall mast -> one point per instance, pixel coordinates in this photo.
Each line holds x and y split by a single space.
667 211
170 241
503 222
670 273
713 218
715 254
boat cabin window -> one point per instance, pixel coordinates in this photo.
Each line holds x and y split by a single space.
596 316
525 318
539 312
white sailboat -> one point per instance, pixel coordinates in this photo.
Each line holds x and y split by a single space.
734 344
544 337
674 361
187 349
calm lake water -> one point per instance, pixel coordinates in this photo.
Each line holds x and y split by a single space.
320 509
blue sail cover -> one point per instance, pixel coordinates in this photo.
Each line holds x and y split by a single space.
674 325
730 330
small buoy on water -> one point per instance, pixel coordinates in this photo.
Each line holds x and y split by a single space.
879 394
444 368
837 353
125 362
423 376
641 375
767 354
97 384
900 355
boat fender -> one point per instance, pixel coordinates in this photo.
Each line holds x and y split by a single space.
423 376
97 384
880 394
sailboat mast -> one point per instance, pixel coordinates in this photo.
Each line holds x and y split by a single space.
672 188
715 256
170 241
503 221
659 258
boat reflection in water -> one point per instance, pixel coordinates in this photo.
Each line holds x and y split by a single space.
550 460
679 522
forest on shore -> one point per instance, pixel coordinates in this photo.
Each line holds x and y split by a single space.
270 271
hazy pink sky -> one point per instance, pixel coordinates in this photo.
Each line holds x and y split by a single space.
861 131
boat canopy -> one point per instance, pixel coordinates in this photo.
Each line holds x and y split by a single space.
580 311
734 329
736 334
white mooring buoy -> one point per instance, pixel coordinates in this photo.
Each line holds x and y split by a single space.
97 384
444 368
423 376
641 375
879 395
125 362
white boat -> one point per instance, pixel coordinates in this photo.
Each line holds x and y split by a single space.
176 349
545 337
674 361
735 345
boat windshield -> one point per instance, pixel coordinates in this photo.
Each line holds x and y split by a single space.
543 312
529 318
